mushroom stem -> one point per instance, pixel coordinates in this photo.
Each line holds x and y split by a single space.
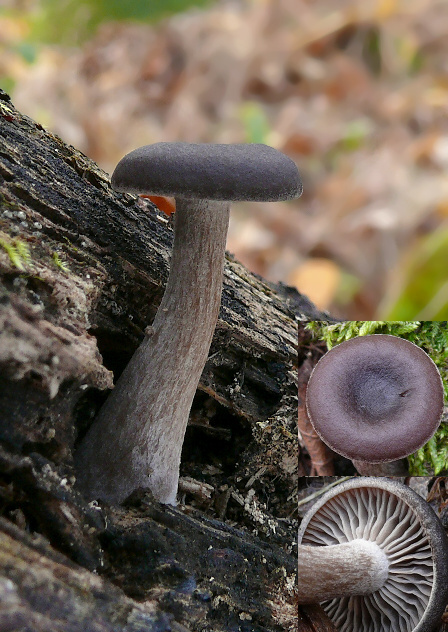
359 567
136 440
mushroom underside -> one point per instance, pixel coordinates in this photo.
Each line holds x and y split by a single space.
376 515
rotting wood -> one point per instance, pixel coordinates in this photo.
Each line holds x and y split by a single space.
82 272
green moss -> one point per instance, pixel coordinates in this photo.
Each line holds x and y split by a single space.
17 251
62 265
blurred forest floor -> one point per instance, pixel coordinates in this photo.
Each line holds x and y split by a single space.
356 93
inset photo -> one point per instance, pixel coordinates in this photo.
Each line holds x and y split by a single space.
372 398
372 554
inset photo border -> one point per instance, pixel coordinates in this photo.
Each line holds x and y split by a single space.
372 554
372 398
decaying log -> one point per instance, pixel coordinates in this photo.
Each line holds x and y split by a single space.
147 551
43 590
82 272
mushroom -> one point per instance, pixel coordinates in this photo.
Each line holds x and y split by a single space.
375 555
375 399
136 440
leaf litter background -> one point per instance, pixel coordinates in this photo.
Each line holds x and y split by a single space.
356 93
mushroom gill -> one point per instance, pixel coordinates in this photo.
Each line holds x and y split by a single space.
378 516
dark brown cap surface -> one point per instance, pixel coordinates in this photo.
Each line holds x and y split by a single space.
249 172
375 398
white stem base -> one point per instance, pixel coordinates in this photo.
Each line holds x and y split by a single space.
359 567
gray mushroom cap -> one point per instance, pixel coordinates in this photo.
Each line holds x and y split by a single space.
250 172
375 398
406 528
